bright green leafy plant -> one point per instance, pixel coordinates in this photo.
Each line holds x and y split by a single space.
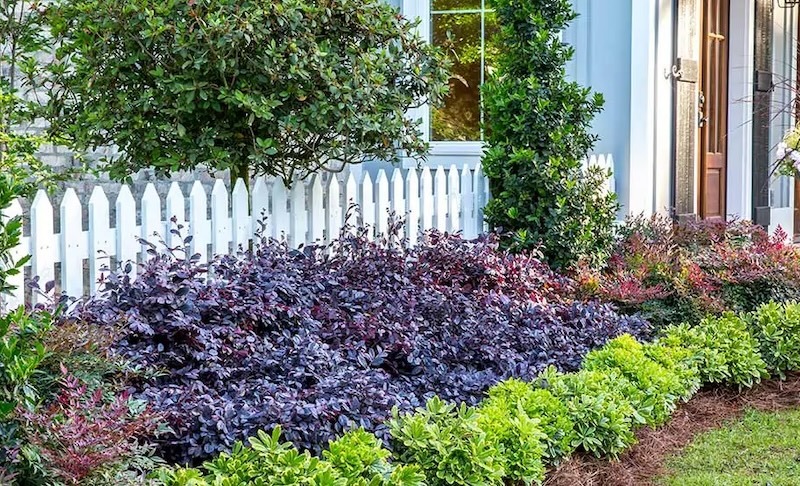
538 134
603 416
359 457
541 405
776 327
278 88
658 389
726 351
448 444
519 439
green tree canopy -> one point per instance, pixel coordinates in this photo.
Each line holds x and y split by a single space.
256 86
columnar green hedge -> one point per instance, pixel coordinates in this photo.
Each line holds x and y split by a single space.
521 428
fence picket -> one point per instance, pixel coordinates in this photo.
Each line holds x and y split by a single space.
453 201
412 206
382 204
317 227
426 200
280 215
220 222
298 215
351 199
467 203
176 208
449 199
262 223
333 210
73 248
127 231
440 199
242 226
368 203
198 224
43 249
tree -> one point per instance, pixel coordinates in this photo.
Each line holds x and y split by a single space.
538 126
281 88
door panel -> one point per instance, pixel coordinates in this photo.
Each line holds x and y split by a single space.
714 108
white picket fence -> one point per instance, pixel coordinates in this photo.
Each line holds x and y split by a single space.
223 221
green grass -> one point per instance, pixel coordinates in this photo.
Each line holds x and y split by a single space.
759 449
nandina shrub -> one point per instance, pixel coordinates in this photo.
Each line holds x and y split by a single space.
81 434
673 273
326 339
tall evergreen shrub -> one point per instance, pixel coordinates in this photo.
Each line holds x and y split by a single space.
538 126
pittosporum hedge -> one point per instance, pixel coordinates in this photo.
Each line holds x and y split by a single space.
326 339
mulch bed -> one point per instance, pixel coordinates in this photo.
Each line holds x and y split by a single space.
709 409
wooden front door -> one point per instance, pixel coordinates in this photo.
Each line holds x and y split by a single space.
713 106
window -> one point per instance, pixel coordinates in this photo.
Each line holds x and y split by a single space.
463 28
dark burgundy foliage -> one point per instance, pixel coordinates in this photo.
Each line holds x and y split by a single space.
328 338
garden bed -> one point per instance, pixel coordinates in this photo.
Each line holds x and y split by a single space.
645 461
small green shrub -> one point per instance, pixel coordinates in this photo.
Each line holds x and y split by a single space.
776 327
659 389
683 362
359 457
448 444
539 404
726 351
597 402
519 439
267 459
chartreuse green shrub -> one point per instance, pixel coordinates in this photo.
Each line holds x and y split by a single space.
267 461
448 443
726 351
359 457
683 362
519 439
540 404
598 405
776 327
658 388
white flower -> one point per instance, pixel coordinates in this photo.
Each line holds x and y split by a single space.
780 152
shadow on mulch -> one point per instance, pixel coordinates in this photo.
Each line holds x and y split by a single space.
708 409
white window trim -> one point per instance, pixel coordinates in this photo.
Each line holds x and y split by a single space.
421 9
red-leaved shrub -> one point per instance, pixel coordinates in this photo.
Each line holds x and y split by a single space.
80 432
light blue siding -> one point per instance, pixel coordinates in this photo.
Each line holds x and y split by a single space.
601 36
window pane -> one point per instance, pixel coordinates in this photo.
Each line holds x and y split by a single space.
455 5
459 118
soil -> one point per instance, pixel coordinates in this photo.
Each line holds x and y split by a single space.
645 461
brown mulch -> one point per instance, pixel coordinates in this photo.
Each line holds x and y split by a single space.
645 461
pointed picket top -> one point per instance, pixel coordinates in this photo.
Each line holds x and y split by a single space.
262 220
368 203
198 223
440 206
382 191
426 200
43 241
73 245
17 295
333 210
242 225
351 201
412 206
280 215
220 220
298 215
467 202
454 200
152 226
317 210
176 208
127 231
